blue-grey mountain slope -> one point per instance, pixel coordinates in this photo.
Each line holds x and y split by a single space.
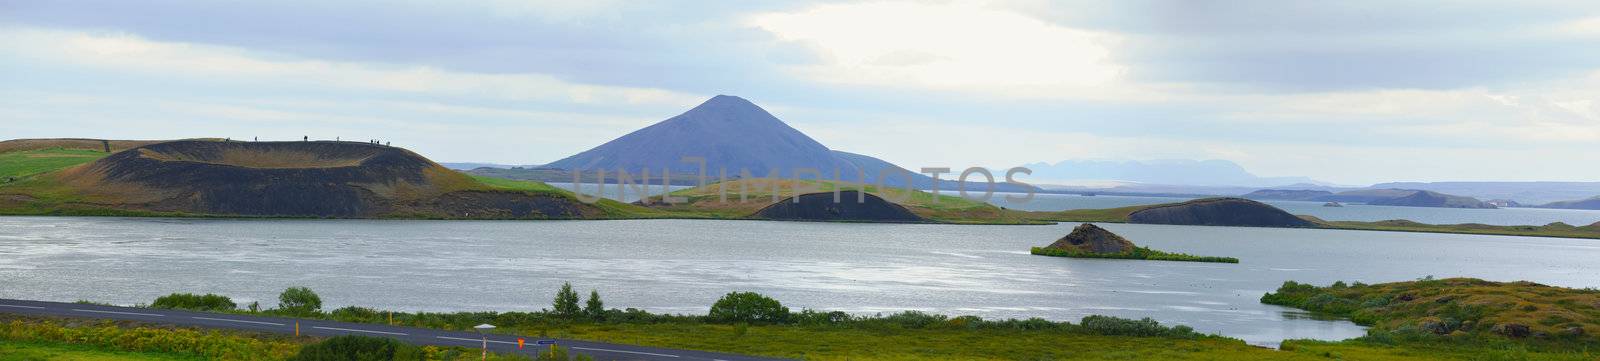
734 134
728 131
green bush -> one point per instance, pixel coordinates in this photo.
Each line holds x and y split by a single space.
748 307
1113 326
356 314
299 301
190 301
359 348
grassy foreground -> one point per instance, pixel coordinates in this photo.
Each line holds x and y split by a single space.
748 323
29 351
1138 253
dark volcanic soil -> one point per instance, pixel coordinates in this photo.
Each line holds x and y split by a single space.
821 207
1219 212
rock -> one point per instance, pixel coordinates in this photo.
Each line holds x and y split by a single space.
1512 330
1573 331
1406 297
1091 238
1434 325
1237 212
821 207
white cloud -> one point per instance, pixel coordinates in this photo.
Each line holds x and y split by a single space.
947 46
1583 27
129 53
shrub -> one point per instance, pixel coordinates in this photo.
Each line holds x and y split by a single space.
1113 326
594 308
814 318
748 307
359 348
566 304
916 319
356 314
190 301
299 301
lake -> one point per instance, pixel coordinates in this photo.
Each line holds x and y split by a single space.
682 266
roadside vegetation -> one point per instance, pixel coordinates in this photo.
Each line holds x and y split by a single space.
59 338
151 342
1138 253
750 323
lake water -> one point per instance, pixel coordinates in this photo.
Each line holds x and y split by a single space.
1350 212
682 266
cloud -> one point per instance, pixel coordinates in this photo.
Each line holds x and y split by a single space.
124 52
948 46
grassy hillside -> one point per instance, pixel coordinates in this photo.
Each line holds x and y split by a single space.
1458 311
723 201
297 179
1560 230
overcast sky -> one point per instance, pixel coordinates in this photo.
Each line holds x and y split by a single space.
1351 92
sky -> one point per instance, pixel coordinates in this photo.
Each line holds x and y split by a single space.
1349 92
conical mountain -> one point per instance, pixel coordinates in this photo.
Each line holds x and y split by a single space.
728 131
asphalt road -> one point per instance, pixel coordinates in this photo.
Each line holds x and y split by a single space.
418 336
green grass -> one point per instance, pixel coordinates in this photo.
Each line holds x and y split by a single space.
517 185
22 164
1138 253
32 351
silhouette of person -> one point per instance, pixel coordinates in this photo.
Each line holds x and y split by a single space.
306 138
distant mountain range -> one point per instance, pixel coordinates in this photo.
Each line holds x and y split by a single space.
1213 172
1382 197
1522 192
732 133
1591 203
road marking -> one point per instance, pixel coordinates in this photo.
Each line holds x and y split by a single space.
350 330
473 340
632 352
240 321
21 306
117 313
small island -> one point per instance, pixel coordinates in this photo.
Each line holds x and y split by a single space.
1091 241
